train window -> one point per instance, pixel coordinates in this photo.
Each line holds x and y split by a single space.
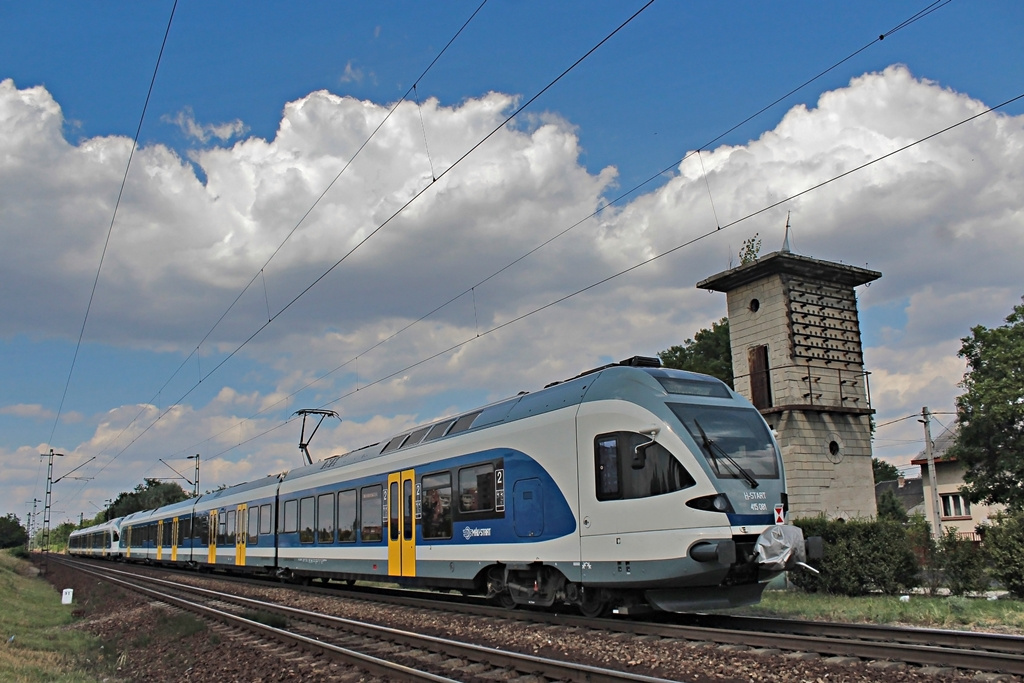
463 423
229 536
736 437
254 525
694 387
620 475
222 529
291 517
476 488
393 512
184 530
168 532
371 514
438 430
201 530
395 443
325 518
265 519
416 437
347 523
436 521
307 521
410 523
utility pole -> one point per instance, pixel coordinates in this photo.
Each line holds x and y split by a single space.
195 485
46 506
932 480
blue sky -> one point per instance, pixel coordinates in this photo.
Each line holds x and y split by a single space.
236 144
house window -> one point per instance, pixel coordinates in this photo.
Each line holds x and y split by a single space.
760 385
955 505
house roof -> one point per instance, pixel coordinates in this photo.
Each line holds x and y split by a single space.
910 495
940 447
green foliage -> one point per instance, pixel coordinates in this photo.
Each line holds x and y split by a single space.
708 352
884 471
860 557
890 507
751 249
990 413
12 533
149 495
962 564
1004 543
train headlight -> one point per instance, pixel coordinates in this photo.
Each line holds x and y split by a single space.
714 503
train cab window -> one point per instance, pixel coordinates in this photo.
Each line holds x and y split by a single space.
371 513
254 525
307 521
325 518
436 520
229 536
438 430
620 474
265 519
290 512
347 510
463 423
476 488
730 439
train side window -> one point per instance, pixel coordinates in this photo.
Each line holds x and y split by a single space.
463 423
325 518
307 521
200 530
393 511
476 488
347 523
371 514
254 525
222 529
291 517
265 519
168 532
438 430
410 522
607 461
229 537
618 477
436 521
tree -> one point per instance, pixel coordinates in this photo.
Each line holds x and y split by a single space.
708 352
151 494
751 249
890 507
990 413
12 533
884 471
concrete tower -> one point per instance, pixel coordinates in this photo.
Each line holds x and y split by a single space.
796 354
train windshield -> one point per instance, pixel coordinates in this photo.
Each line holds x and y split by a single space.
735 441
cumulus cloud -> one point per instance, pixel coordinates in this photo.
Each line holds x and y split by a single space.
186 121
941 221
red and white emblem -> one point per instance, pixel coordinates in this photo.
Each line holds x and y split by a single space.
780 514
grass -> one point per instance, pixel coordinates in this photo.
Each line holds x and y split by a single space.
43 649
920 611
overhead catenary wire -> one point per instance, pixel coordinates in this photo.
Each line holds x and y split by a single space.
371 234
917 16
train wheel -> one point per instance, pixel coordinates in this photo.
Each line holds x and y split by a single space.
504 599
594 604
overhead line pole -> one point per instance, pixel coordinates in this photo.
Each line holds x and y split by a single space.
932 480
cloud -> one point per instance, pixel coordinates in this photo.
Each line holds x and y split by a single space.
941 221
351 74
34 411
186 121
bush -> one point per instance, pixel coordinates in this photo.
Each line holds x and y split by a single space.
860 557
1004 543
962 564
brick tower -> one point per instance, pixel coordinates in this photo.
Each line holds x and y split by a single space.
796 354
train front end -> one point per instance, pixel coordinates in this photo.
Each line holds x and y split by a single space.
690 486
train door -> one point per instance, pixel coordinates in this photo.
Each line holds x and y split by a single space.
241 531
174 540
211 552
160 540
128 542
401 524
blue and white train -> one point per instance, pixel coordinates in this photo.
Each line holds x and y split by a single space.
628 485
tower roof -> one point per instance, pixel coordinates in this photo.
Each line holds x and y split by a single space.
784 262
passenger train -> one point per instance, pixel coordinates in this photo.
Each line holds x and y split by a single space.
628 486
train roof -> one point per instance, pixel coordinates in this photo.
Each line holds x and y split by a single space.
621 380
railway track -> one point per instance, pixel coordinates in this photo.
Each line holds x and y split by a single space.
930 649
381 651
